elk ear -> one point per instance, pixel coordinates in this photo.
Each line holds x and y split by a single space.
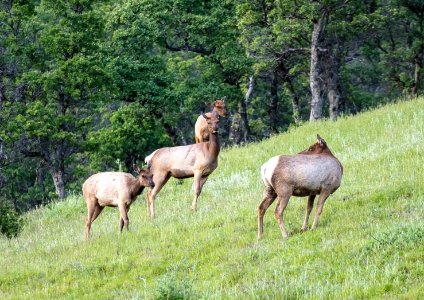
320 140
205 116
136 168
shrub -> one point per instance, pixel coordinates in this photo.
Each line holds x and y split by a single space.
10 221
172 288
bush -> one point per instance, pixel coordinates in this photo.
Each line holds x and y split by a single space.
172 288
10 221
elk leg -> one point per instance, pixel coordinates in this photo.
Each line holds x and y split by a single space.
122 221
91 204
147 199
199 181
97 210
309 206
267 199
282 201
151 195
321 200
121 224
123 210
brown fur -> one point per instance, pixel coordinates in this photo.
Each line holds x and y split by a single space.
319 147
116 189
196 160
201 127
314 171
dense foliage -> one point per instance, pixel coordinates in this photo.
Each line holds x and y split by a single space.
97 85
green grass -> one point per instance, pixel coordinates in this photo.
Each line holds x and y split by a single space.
369 242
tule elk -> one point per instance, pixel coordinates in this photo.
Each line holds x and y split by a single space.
201 127
196 160
314 171
116 189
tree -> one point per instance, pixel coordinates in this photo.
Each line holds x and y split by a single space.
17 172
275 37
131 133
202 53
93 85
401 41
315 80
65 77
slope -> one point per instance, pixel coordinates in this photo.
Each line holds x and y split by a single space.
369 242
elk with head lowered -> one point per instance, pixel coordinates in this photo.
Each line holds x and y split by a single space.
314 171
196 160
116 189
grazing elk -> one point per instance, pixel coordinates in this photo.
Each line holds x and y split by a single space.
309 173
201 127
116 189
196 160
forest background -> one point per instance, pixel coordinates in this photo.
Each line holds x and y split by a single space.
88 86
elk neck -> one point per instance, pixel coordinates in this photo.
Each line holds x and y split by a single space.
213 144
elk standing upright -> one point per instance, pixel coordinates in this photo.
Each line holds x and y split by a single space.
201 127
196 160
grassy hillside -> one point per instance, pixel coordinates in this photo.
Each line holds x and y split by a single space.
369 242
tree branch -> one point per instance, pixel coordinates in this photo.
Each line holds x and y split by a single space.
291 51
187 47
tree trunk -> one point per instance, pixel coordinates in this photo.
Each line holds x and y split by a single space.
333 98
273 108
292 92
2 92
333 82
181 135
243 110
235 130
59 183
2 158
316 83
54 160
1 150
171 132
417 74
294 100
418 59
